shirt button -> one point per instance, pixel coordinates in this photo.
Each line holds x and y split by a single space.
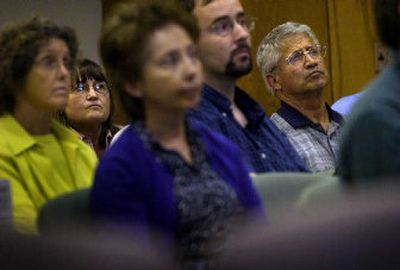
263 156
224 114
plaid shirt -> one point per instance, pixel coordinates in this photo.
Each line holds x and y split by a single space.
317 148
265 148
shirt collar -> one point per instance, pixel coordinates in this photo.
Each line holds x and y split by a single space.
298 120
10 127
250 108
107 139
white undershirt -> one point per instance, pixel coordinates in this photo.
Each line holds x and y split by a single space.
239 116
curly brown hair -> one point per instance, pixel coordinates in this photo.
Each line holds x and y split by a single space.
19 46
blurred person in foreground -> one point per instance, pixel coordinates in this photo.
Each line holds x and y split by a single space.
90 106
38 155
165 174
370 146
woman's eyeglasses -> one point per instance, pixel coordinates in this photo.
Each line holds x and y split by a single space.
84 88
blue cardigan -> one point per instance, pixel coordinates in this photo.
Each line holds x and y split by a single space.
133 188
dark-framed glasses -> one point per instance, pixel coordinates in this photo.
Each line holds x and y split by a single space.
224 26
84 88
298 57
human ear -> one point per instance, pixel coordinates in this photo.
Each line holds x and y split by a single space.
272 81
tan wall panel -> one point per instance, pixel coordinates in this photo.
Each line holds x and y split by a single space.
352 34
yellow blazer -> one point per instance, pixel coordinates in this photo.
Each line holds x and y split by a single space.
31 174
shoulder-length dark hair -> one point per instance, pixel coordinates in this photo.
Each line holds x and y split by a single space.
87 69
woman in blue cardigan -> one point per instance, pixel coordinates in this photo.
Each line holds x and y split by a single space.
164 173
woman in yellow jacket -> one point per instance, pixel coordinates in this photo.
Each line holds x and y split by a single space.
41 158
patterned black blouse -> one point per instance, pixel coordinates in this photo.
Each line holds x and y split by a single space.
208 207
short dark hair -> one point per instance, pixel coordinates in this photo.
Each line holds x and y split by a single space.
19 46
187 4
190 4
388 22
123 42
87 69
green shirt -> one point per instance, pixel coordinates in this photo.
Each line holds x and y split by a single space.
38 173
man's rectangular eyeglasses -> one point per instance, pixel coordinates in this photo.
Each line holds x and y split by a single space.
298 56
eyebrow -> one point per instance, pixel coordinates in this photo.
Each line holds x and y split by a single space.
219 19
52 51
240 14
225 17
302 49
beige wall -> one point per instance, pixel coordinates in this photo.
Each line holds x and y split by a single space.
352 39
83 15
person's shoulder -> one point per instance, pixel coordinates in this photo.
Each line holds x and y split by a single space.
213 139
125 137
119 132
272 126
5 134
381 96
208 116
14 138
68 135
69 138
126 146
205 108
278 121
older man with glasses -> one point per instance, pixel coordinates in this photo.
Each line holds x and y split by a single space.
224 48
291 61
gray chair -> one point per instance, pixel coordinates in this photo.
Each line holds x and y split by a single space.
5 205
281 192
68 212
323 192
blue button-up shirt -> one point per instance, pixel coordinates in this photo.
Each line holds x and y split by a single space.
265 147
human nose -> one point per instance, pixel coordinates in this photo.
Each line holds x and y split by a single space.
191 68
63 70
91 92
310 60
241 32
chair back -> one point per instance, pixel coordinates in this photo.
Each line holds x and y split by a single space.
5 205
281 192
68 212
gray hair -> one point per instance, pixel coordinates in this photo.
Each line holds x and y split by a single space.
268 52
